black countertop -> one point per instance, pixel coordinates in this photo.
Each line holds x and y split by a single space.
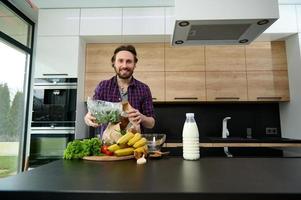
167 178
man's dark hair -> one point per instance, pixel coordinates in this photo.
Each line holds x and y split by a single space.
129 48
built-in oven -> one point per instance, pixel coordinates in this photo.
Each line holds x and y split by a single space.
53 119
54 102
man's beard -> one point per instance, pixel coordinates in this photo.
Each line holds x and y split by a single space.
124 76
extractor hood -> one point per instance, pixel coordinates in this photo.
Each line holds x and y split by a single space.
218 22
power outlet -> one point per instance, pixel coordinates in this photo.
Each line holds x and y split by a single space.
271 131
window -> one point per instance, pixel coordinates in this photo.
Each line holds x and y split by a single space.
15 64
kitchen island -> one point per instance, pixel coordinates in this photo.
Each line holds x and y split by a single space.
166 178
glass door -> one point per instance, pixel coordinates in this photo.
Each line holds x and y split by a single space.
12 80
15 68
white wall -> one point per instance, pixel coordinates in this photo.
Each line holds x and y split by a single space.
290 112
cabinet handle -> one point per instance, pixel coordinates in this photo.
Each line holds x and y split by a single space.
154 98
227 98
185 98
271 98
55 74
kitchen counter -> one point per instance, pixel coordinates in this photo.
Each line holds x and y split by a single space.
167 178
243 142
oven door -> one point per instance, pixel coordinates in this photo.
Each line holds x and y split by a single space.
48 144
54 105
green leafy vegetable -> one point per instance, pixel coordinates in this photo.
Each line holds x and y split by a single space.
112 116
77 149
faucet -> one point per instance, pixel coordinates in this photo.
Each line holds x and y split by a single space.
225 134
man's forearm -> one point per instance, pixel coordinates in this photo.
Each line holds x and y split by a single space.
148 122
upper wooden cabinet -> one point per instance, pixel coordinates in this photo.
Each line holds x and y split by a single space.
226 86
268 85
98 57
150 57
185 86
266 56
156 83
225 58
184 58
55 22
202 73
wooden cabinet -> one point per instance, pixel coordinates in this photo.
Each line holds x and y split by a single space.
267 74
150 57
257 72
184 58
225 58
92 80
98 57
185 86
57 56
266 56
156 83
226 86
268 86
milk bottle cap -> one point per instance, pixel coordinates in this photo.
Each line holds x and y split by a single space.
189 114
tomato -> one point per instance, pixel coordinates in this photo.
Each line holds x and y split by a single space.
104 149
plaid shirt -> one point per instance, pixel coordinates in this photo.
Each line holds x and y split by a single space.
139 95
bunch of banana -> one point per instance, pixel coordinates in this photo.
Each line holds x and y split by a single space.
129 144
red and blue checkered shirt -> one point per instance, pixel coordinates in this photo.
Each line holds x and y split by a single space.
139 94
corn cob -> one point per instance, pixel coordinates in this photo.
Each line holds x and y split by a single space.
135 139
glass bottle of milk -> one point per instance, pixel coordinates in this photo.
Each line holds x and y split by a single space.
191 149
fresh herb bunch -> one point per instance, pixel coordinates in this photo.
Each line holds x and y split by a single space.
112 116
77 149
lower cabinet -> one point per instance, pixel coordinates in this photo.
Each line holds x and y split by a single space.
226 86
268 85
185 86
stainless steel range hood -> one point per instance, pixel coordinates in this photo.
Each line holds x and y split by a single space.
217 22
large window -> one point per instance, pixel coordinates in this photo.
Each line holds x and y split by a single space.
15 52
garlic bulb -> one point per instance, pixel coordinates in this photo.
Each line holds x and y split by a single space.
141 160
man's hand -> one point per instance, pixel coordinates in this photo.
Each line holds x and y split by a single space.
90 120
135 116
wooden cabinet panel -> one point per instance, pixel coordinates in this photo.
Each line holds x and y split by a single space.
279 55
225 58
226 86
92 80
150 57
266 56
185 86
98 57
184 58
156 83
268 86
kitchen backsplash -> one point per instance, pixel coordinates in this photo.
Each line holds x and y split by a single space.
170 119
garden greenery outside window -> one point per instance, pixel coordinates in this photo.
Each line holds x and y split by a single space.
15 63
